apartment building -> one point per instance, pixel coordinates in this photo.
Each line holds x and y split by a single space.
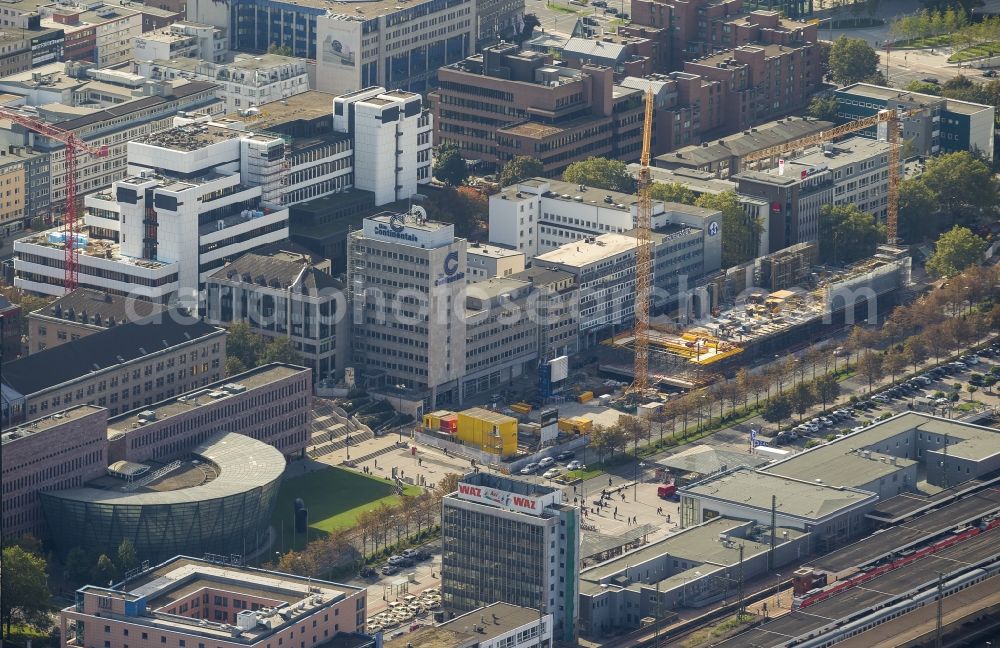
283 292
246 83
182 39
555 307
392 140
65 449
604 268
199 194
505 102
491 516
942 126
701 27
761 82
853 171
132 365
85 312
406 274
11 317
12 193
114 127
501 331
270 403
489 261
723 157
191 602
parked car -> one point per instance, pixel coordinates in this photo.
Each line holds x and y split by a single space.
389 570
611 10
530 469
930 80
367 572
990 74
574 465
552 472
546 462
599 3
563 456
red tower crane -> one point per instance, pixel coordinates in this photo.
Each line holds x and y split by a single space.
74 144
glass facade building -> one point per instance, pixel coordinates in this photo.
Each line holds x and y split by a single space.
227 515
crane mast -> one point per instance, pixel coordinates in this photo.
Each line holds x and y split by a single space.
644 256
74 145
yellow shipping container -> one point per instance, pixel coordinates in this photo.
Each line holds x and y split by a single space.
521 408
586 396
575 425
489 431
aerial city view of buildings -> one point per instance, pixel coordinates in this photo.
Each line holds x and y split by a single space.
499 323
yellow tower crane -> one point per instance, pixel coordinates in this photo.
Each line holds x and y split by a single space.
644 257
885 119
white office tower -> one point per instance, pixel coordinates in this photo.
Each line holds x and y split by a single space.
195 196
387 128
406 277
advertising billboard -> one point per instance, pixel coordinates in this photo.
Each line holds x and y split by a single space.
504 499
338 40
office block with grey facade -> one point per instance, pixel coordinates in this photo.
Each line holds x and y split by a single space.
513 541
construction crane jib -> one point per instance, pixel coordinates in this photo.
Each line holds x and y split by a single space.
74 146
887 125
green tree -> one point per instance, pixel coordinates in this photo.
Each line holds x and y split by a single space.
245 345
923 87
672 192
917 203
802 398
24 590
77 565
776 410
823 107
520 168
963 184
280 349
827 389
126 559
104 571
956 250
852 60
234 366
740 233
611 175
846 234
449 165
280 50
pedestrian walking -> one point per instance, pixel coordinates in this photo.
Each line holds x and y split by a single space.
376 463
616 511
609 481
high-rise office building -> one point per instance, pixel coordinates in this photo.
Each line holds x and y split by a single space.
512 541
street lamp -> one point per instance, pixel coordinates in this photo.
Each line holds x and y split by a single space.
777 590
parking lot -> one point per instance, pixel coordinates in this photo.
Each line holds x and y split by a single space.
932 392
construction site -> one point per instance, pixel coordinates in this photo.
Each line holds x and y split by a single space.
744 324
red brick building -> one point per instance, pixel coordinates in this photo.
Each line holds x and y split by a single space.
504 102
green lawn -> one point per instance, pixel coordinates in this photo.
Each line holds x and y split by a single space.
975 52
924 43
334 496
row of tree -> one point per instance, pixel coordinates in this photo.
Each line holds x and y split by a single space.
374 531
924 24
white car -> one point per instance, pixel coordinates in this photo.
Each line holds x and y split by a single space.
552 472
546 462
574 465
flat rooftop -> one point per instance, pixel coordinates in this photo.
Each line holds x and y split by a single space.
567 191
696 544
357 11
500 618
754 489
580 254
536 130
426 226
485 249
94 247
838 462
210 393
55 419
190 137
168 582
848 151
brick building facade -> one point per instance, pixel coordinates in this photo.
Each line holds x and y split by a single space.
65 450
